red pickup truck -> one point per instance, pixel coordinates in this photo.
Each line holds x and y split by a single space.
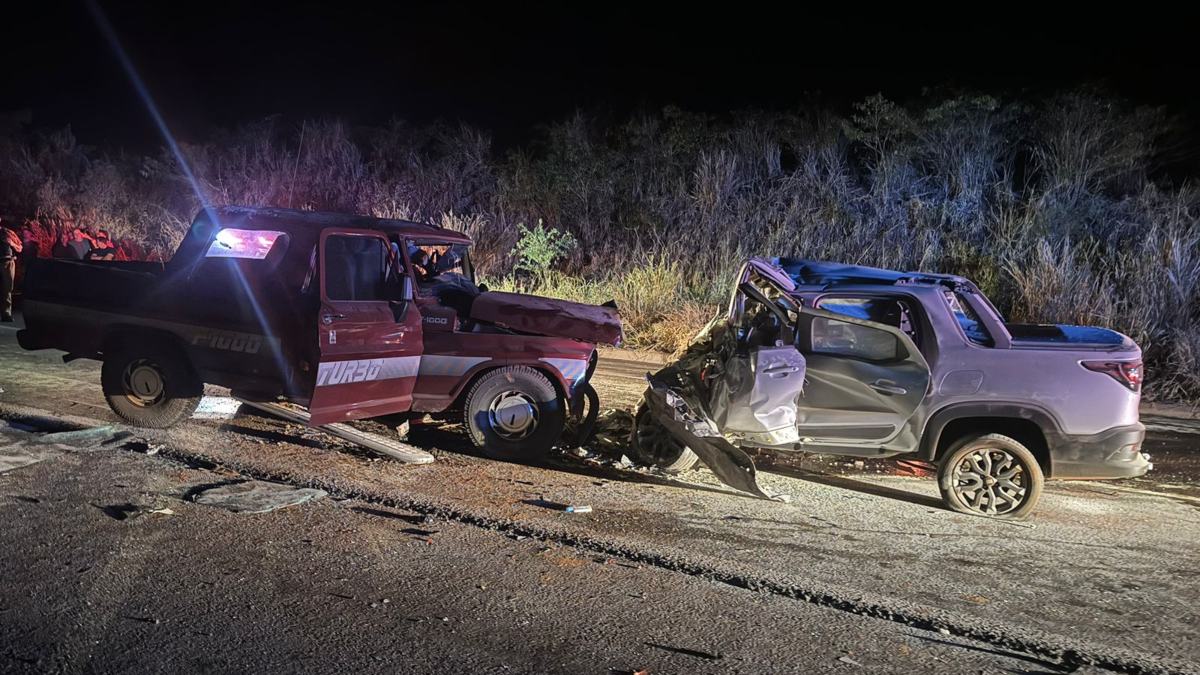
349 316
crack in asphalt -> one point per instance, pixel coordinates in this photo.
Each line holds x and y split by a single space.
1066 654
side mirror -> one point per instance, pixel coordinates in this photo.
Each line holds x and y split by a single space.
406 288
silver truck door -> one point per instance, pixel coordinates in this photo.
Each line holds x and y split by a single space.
864 382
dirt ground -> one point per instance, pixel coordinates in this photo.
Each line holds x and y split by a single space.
1103 574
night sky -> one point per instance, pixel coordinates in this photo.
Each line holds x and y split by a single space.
508 70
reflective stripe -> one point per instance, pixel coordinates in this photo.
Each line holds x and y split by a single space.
436 365
366 370
573 370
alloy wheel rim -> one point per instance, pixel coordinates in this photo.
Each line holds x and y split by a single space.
513 415
656 443
990 481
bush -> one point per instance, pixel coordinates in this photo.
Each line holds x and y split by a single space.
538 249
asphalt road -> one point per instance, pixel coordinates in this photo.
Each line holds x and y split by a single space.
1104 572
350 586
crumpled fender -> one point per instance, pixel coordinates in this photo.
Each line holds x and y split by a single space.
686 421
548 316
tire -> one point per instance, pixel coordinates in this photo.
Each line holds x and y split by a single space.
652 445
150 384
514 413
990 475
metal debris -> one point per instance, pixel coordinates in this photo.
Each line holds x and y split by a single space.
86 438
216 408
385 446
256 496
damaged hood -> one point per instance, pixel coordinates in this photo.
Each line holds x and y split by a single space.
548 316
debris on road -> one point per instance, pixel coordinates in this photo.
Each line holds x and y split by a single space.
848 660
86 438
20 447
216 408
385 446
255 496
19 455
120 511
559 506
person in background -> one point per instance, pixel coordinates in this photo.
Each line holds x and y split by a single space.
79 245
30 241
62 247
10 246
103 249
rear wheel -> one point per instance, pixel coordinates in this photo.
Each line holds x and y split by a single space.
514 413
652 445
990 475
150 385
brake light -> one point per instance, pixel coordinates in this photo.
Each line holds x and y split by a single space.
1128 373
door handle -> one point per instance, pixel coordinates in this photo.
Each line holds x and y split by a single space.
328 318
886 387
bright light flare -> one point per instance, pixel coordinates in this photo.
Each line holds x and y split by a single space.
135 79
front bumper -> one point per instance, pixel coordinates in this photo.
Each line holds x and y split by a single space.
1115 453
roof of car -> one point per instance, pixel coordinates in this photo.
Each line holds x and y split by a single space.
319 220
830 274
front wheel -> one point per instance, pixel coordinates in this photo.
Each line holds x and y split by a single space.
514 413
990 475
652 445
150 385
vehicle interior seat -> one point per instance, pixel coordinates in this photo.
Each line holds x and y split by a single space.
355 268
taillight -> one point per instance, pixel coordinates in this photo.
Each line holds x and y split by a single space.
1128 373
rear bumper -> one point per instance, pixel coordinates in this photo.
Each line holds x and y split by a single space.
1115 453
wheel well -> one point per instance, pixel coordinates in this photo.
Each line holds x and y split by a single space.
1024 431
461 398
121 336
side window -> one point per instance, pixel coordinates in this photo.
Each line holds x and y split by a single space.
356 268
890 311
967 319
842 338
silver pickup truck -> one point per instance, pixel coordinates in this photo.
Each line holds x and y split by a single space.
838 359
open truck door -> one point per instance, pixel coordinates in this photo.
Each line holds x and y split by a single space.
368 330
864 382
